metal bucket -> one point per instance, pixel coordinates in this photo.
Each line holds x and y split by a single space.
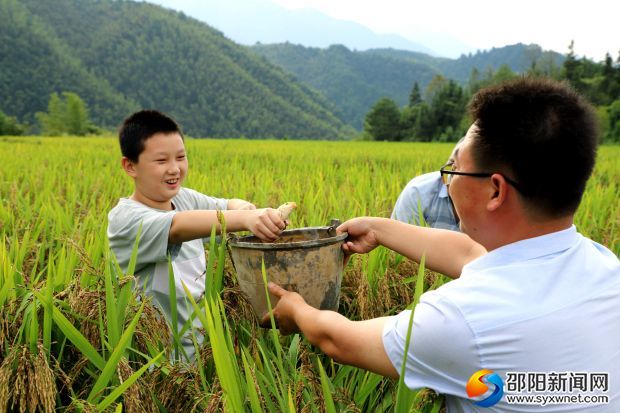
305 260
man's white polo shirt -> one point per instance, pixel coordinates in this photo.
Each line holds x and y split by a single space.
548 306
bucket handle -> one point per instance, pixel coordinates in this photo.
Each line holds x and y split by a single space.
333 224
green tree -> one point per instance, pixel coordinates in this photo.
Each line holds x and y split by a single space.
51 123
415 97
446 109
575 70
10 126
383 121
612 132
503 74
610 85
77 115
66 115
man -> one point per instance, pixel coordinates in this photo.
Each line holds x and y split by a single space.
534 303
427 195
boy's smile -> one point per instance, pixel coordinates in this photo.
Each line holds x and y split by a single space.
160 170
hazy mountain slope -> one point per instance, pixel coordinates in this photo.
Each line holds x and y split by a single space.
35 63
353 81
157 58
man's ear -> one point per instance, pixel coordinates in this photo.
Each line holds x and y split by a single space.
129 166
499 188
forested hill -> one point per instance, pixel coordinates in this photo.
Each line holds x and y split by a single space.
352 80
120 56
356 80
518 57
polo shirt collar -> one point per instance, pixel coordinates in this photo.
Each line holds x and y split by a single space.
443 190
526 249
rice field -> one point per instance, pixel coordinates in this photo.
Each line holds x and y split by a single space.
73 336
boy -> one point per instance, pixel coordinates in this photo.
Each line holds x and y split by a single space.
173 219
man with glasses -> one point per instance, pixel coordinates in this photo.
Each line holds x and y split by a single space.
427 196
531 296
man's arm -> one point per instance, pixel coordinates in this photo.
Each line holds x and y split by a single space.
356 343
188 225
445 251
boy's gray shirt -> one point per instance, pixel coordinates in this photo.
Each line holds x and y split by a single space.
151 272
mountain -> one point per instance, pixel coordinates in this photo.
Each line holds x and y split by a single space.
518 57
355 80
34 63
120 56
262 21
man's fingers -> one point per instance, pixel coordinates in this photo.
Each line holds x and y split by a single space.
275 289
265 320
350 247
347 257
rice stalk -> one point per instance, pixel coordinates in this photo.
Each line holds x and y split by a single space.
27 382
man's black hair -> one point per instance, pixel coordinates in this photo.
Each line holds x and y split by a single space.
139 127
540 133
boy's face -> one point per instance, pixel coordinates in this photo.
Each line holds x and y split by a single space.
160 170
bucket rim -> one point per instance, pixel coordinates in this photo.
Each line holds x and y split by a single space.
237 242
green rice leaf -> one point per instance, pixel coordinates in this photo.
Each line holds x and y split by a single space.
327 390
74 335
117 392
110 367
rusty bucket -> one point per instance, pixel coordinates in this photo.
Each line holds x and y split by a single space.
305 260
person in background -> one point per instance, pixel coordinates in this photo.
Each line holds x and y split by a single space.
534 306
172 220
427 194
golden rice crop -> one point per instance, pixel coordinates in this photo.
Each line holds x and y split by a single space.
70 324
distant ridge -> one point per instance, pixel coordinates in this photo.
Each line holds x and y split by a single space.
355 80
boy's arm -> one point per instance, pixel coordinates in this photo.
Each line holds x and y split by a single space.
356 343
188 225
445 251
240 204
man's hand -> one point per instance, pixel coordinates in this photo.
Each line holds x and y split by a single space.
358 343
284 312
265 223
362 237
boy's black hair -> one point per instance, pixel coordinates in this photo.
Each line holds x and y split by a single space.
139 127
540 133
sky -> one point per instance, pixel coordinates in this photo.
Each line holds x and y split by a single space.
482 24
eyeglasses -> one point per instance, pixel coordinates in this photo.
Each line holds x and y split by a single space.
447 173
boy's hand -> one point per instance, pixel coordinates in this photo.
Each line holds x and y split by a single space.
240 204
284 312
265 223
362 236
